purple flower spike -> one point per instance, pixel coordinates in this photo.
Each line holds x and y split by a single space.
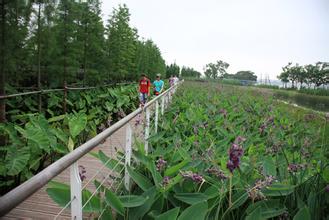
239 140
223 112
197 178
235 153
165 180
161 163
193 176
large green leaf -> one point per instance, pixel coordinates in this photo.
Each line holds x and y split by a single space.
112 200
132 200
303 214
139 179
197 211
278 189
269 166
268 208
191 198
239 198
174 169
140 211
112 164
77 123
16 160
255 215
61 194
169 215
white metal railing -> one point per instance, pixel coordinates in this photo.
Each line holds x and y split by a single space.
23 191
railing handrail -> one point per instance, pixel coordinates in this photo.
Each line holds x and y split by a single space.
26 189
43 91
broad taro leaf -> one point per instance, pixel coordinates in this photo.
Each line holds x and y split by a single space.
171 214
278 189
303 214
9 129
140 211
61 194
112 164
132 200
16 160
197 211
255 215
106 215
174 169
37 131
77 123
268 208
140 179
269 166
113 201
239 198
191 198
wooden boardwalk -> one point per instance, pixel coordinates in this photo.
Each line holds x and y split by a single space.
41 206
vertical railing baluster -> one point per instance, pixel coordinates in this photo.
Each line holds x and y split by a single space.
162 104
76 198
128 155
147 129
156 115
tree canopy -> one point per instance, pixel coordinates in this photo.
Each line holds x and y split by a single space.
316 74
216 70
48 43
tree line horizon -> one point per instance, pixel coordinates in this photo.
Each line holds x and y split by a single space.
49 43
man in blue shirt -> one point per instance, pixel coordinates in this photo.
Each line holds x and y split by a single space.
158 85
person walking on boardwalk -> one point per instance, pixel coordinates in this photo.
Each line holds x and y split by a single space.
144 89
171 80
158 85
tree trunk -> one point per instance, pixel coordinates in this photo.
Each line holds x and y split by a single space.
85 55
2 67
65 58
39 57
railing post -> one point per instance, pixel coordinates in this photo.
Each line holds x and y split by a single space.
147 130
156 115
162 104
128 155
76 198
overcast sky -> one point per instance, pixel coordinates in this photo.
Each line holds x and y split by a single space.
257 35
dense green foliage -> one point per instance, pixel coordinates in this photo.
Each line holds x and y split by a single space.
190 72
242 75
225 152
216 70
318 91
317 74
172 70
34 140
45 43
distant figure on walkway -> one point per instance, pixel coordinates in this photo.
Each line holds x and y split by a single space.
144 89
171 80
176 79
158 85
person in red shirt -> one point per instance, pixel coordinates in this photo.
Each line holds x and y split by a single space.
144 89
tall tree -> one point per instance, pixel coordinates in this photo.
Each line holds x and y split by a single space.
172 69
216 70
91 38
245 75
190 72
121 44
